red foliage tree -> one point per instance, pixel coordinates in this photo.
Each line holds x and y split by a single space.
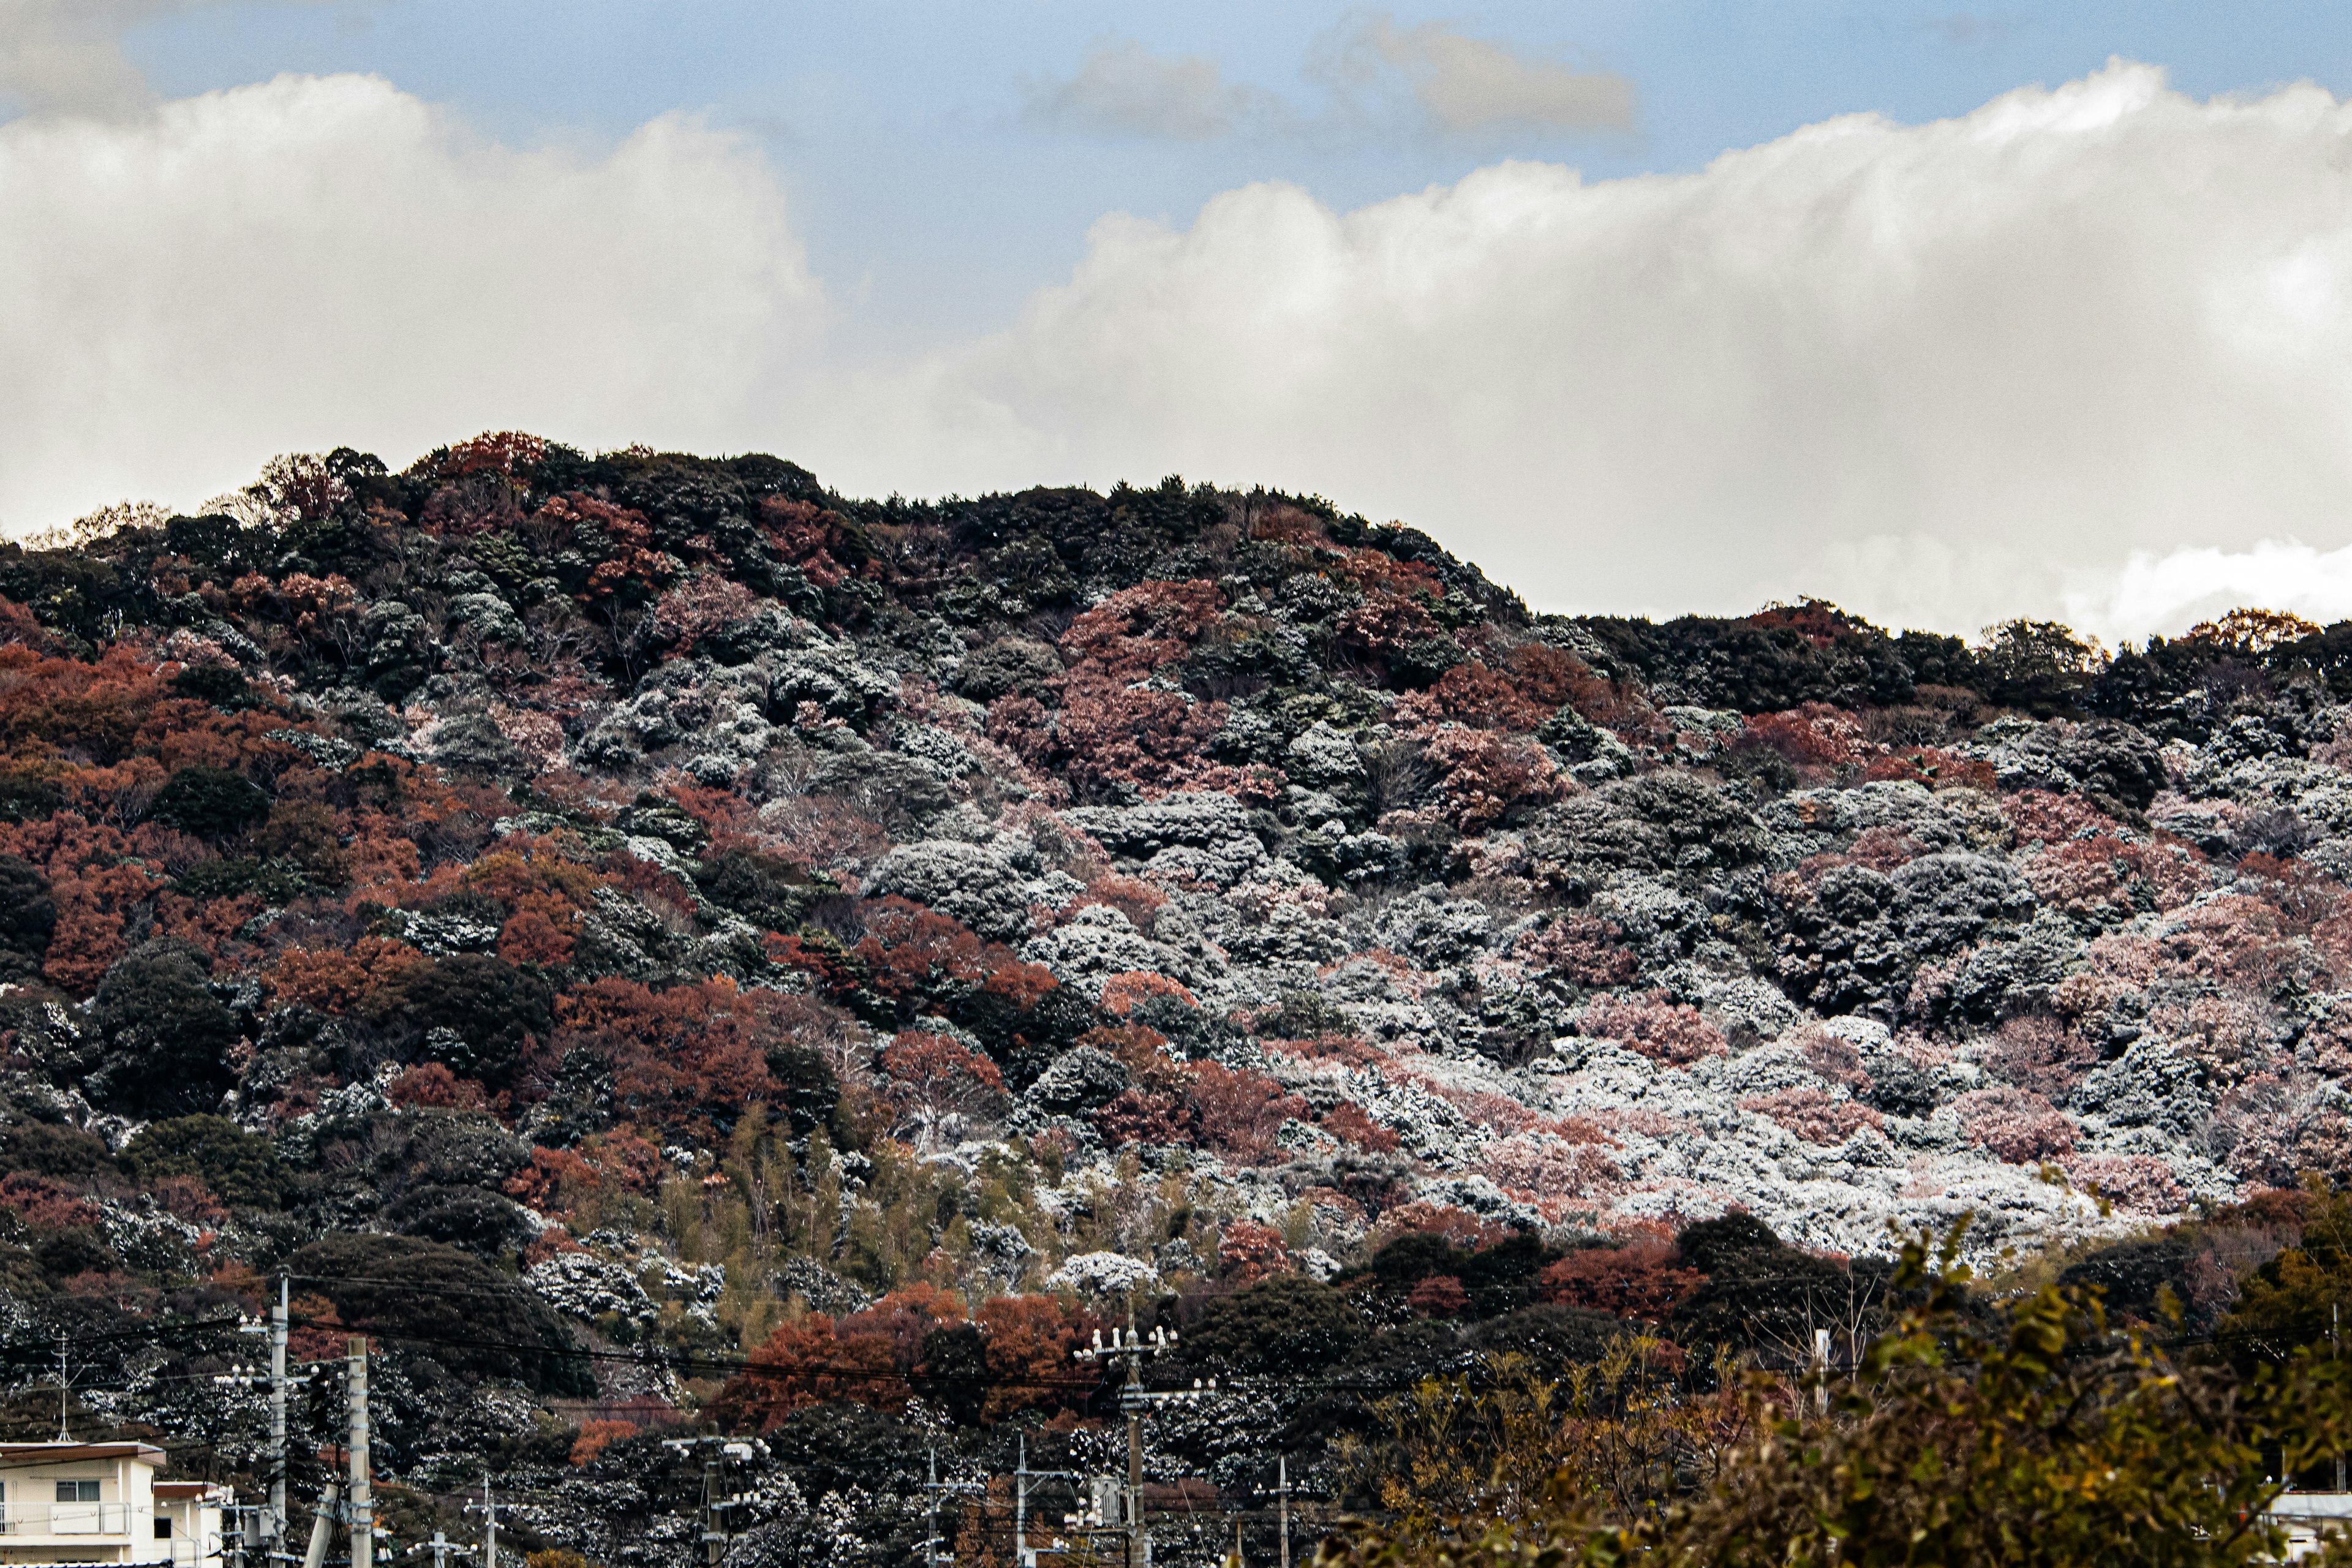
1485 775
1439 1296
934 1076
2014 1124
1814 1115
871 1358
1133 633
1029 1363
2039 1053
684 1059
1121 994
1641 1279
1582 948
1239 1111
1474 696
1145 1116
1660 1030
1248 1252
1348 1121
434 1085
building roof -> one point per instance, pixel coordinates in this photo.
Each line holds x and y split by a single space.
180 1491
59 1453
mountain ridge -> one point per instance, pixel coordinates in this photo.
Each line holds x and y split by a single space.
802 961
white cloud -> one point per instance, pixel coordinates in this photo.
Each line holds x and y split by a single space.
1467 85
2165 594
1939 372
311 262
2079 353
66 55
1122 89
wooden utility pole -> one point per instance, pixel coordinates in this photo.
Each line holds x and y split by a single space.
1133 1400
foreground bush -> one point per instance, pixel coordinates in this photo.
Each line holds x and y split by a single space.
2035 1436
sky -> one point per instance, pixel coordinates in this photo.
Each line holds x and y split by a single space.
1647 308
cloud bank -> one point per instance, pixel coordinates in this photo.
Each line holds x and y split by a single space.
2083 352
312 262
67 54
1940 373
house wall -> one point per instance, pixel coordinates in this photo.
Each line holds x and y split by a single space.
118 1529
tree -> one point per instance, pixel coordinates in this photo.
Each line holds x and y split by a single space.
446 1303
2033 1436
490 1009
28 917
690 1058
2039 665
239 1167
935 1080
167 1037
2293 1300
1287 1323
1763 1296
209 803
1641 1279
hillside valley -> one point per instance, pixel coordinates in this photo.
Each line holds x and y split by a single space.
668 949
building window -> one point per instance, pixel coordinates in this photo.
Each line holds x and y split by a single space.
162 1527
76 1491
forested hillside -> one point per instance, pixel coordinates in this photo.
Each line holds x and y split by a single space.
664 947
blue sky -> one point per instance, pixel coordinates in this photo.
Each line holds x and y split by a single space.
933 199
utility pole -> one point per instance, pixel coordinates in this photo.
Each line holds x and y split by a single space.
322 1525
714 1504
1821 1372
489 1524
932 1488
717 1498
270 1522
1134 1401
931 1511
65 1385
1022 1557
1282 1494
362 1508
276 1524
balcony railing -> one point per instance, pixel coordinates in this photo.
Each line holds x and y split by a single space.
65 1519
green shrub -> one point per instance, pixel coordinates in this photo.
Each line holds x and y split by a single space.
1287 1323
446 1304
239 1167
166 1037
47 1149
211 804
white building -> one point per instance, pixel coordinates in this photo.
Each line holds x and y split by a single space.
101 1503
2308 1517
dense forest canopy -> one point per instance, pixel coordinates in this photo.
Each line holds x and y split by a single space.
659 944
